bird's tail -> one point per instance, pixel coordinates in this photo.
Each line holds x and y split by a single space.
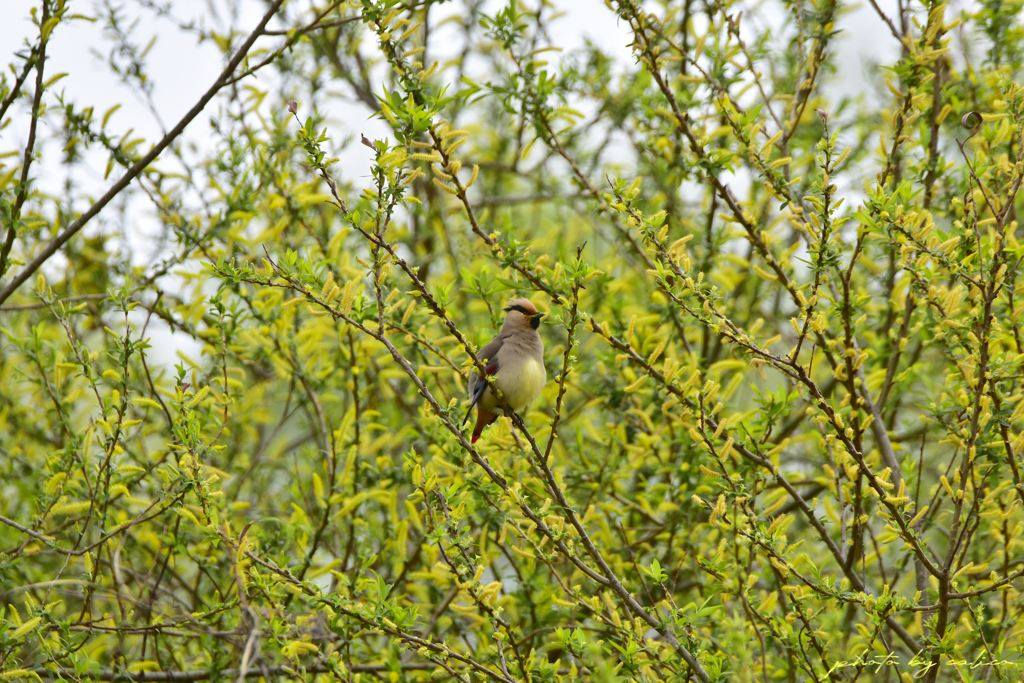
482 420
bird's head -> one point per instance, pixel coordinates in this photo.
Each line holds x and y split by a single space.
522 312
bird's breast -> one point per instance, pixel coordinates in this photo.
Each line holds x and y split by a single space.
522 385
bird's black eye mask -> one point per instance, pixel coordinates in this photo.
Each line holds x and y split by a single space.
534 317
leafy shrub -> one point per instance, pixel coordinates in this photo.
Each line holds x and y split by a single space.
782 434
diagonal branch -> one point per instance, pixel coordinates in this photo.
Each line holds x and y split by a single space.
141 165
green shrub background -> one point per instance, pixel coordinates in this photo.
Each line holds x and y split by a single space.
782 433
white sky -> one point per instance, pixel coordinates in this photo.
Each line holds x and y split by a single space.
182 70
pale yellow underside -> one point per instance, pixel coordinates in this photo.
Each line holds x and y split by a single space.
520 386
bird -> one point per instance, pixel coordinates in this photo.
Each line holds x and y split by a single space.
515 358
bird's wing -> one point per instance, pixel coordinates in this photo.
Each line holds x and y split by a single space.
488 355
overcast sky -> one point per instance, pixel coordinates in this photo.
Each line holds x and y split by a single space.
181 70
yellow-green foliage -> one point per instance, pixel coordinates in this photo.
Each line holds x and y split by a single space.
781 437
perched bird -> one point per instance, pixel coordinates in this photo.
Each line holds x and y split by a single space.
516 360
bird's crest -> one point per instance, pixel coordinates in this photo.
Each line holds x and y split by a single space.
524 306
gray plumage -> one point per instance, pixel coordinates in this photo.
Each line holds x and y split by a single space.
516 360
